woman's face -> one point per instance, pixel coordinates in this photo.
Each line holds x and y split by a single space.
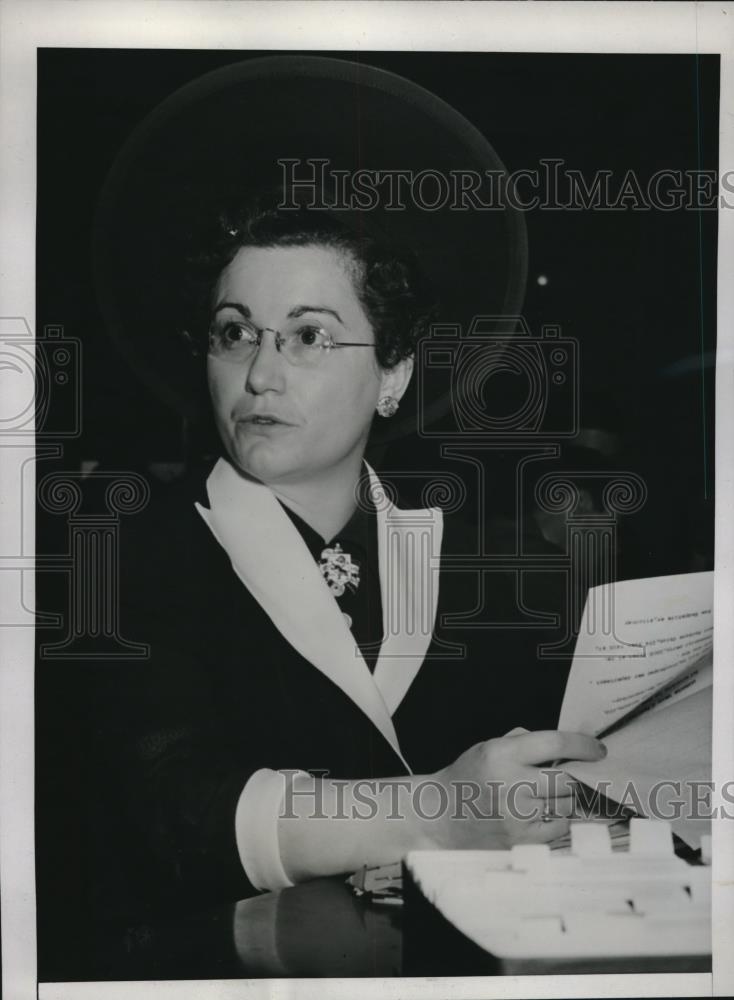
286 424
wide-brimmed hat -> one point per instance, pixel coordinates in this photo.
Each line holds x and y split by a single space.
372 142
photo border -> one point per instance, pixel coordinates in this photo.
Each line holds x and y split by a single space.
26 25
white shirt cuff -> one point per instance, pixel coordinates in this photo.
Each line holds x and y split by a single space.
256 828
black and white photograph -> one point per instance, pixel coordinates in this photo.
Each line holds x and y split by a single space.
366 500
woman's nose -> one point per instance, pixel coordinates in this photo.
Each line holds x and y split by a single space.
266 369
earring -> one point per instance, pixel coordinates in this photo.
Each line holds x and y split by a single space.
387 406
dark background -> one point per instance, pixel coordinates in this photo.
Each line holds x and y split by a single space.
636 289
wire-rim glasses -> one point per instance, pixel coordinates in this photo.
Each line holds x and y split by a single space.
301 344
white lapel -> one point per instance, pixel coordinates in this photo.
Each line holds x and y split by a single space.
409 549
274 563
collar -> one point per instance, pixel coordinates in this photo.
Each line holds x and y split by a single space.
354 536
274 563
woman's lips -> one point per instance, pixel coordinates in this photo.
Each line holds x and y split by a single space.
262 420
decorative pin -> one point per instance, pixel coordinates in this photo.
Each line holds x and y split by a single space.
338 570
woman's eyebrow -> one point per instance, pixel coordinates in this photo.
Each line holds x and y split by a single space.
244 311
300 310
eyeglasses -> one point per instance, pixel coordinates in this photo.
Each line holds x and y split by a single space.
301 344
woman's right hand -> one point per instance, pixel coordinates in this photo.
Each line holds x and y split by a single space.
496 794
493 796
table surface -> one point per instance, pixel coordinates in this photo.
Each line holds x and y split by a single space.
314 930
317 929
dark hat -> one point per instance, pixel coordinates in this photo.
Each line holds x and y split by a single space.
360 138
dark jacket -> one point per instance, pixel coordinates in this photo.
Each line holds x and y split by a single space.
174 738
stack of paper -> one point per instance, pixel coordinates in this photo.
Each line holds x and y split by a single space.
641 680
588 904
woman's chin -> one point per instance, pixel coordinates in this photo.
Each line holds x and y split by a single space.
274 461
263 461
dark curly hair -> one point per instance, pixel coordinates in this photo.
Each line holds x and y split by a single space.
394 292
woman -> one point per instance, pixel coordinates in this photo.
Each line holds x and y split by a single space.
307 707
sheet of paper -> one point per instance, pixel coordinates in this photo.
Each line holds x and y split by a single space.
656 765
636 638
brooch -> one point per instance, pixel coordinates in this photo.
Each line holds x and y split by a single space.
338 570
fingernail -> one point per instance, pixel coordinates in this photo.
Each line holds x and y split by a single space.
602 748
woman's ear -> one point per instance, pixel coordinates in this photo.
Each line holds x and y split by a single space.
396 380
